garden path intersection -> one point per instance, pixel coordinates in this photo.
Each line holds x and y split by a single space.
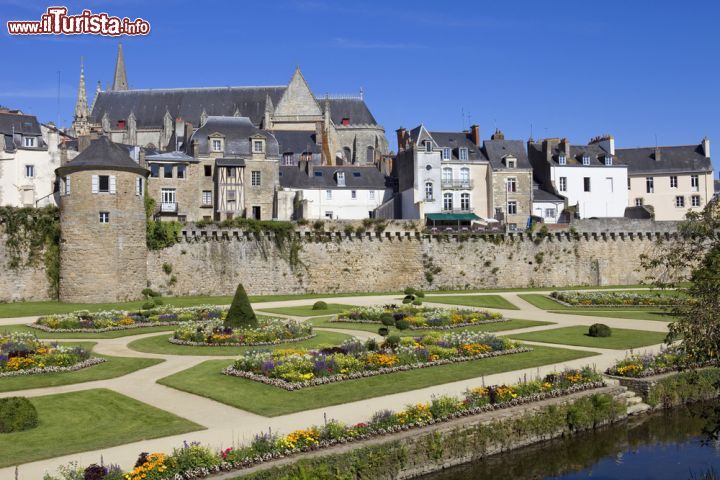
226 425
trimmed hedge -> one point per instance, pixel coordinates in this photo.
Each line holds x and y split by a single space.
17 414
599 330
320 305
241 314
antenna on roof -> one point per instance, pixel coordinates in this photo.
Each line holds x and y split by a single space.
362 92
57 113
462 119
531 130
656 141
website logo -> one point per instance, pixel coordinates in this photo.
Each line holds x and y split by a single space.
56 21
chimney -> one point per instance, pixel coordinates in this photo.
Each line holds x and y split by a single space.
498 135
658 155
401 138
141 157
548 145
83 142
310 168
565 146
475 134
606 142
706 147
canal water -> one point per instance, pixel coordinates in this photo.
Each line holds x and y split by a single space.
672 445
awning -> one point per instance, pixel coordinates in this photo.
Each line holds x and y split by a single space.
452 217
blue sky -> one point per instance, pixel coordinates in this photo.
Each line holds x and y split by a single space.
640 70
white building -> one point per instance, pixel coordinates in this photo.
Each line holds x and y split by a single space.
547 205
27 161
333 192
586 175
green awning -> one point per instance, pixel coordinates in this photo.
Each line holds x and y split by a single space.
452 217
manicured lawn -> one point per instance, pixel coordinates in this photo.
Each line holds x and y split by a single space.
160 344
634 313
111 334
307 310
91 419
207 379
324 322
113 367
483 301
621 339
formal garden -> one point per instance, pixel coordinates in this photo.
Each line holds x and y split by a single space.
416 318
24 354
618 299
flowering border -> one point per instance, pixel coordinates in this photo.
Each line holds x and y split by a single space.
428 327
605 305
291 386
37 370
45 328
257 344
651 372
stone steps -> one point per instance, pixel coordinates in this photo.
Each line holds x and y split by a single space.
638 408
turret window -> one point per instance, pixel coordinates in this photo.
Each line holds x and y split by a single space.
562 160
104 217
103 184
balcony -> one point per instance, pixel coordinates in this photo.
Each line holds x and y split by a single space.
456 210
168 207
457 184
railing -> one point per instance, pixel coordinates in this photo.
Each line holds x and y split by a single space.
457 210
462 184
168 207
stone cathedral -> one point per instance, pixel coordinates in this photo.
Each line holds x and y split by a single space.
330 130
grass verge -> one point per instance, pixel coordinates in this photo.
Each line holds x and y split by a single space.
482 301
307 310
621 339
634 313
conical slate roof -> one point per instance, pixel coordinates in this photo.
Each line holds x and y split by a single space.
102 154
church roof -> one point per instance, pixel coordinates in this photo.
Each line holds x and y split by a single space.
102 154
297 141
354 109
236 131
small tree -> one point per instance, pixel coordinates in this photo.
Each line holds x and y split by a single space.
241 314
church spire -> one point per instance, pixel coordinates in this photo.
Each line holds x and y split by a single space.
81 122
120 82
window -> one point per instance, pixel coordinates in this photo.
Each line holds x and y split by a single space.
29 171
563 184
512 207
328 194
120 124
550 213
511 163
357 174
649 184
353 194
371 194
208 170
694 183
679 201
307 156
104 217
216 145
673 182
181 171
256 210
104 183
465 201
207 197
139 186
628 183
155 170
428 191
329 214
428 146
639 202
562 160
586 160
428 167
167 195
611 185
695 200
345 121
447 201
512 184
447 175
370 155
608 160
258 146
446 153
230 172
288 158
255 178
231 196
586 184
318 174
465 175
463 154
67 185
341 179
29 142
167 171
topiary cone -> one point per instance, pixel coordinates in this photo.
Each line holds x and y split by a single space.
241 314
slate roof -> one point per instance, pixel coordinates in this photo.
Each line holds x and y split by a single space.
354 109
457 140
717 186
297 141
684 158
179 157
19 124
544 196
638 213
368 178
497 150
236 132
594 152
102 154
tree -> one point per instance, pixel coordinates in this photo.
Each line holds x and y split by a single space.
241 314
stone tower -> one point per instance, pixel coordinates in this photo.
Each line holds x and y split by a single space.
81 122
120 82
103 251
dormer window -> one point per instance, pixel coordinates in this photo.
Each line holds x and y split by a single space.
463 154
345 121
29 142
446 153
341 179
216 145
511 162
428 146
561 159
586 160
258 146
121 124
608 160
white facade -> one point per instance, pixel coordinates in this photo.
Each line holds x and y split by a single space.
598 191
548 210
342 203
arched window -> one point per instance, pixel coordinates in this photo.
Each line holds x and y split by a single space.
370 158
347 155
464 201
447 201
428 191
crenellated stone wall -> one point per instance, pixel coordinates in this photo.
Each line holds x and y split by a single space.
215 261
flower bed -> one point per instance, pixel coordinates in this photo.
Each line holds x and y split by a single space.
213 333
649 364
419 318
615 299
109 320
193 460
23 354
295 369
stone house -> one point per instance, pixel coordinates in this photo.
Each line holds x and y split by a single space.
177 184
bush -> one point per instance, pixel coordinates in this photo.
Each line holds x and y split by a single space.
392 341
17 414
320 306
409 291
599 330
167 268
241 314
402 324
149 292
417 302
408 299
148 306
158 301
387 319
95 472
383 331
420 294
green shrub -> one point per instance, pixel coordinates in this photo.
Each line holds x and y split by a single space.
417 302
241 314
387 319
167 268
158 301
320 306
408 299
392 341
599 330
420 294
17 414
409 291
192 456
402 324
148 306
149 292
383 331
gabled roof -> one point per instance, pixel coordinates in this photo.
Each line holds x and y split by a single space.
594 152
324 178
683 158
497 150
102 154
545 196
457 140
19 123
236 132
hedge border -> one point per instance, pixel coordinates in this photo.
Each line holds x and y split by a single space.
37 370
258 344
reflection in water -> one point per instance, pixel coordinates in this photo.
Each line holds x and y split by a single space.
666 445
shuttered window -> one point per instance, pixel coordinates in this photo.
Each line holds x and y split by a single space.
95 183
113 184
